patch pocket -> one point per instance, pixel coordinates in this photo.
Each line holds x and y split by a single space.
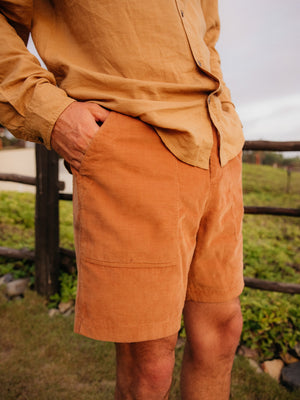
94 142
129 198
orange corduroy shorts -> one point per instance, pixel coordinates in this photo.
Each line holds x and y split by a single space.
151 232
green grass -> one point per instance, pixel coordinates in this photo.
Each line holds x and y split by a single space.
17 221
266 186
42 359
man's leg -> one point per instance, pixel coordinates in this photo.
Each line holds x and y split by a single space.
144 369
213 332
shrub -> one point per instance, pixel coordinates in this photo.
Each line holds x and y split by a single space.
271 322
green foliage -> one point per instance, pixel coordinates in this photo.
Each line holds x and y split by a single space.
17 209
17 220
17 268
66 225
271 322
271 248
271 251
68 286
68 289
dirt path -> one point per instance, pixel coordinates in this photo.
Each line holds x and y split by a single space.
22 161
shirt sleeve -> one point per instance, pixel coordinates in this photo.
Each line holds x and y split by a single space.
30 101
212 19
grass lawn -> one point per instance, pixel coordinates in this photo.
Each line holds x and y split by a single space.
42 359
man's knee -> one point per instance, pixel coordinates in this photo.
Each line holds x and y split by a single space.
156 372
213 330
150 364
229 332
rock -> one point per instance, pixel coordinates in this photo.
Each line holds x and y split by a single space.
17 298
69 312
17 287
290 375
297 349
255 366
64 307
287 358
249 353
53 311
273 368
6 278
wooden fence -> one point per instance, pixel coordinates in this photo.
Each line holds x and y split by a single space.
48 254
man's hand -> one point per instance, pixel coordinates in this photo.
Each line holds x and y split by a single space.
74 130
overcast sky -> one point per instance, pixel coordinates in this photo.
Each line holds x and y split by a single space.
260 53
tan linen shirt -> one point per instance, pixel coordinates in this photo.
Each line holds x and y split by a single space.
155 60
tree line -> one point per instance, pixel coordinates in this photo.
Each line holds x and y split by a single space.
270 158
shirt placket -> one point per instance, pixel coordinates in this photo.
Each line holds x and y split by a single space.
202 64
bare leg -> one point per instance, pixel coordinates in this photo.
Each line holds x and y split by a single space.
144 369
213 332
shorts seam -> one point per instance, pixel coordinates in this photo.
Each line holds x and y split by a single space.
209 294
178 203
110 264
213 289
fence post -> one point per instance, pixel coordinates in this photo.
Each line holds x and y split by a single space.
46 222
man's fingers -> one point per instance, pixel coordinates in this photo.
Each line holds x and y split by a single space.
74 130
98 112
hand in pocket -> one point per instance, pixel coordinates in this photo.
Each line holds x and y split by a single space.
74 130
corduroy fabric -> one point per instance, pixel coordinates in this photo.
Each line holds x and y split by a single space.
150 233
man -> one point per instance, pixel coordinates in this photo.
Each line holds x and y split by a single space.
134 101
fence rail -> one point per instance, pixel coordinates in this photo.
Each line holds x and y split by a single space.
288 212
265 145
262 284
25 180
48 254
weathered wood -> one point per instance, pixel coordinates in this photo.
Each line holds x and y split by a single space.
66 196
25 254
271 146
67 252
25 180
290 212
254 283
22 254
46 222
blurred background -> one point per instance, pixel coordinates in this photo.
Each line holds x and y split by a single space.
259 47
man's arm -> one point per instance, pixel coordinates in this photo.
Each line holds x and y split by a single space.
31 105
30 102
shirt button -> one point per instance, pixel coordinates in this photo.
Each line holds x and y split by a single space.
199 63
182 13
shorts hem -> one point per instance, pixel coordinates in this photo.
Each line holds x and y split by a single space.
212 295
129 334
